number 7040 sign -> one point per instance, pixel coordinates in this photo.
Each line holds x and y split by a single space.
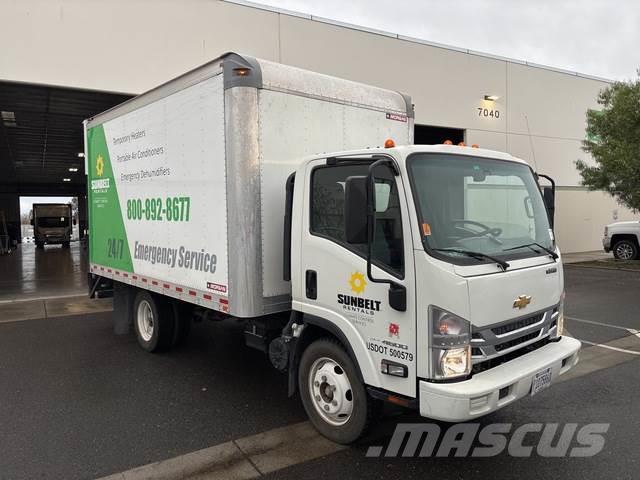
488 112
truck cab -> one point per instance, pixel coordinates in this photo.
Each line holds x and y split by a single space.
436 270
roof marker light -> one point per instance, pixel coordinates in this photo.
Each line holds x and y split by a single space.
388 143
462 144
475 145
447 142
241 71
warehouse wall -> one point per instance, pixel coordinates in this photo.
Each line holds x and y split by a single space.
133 45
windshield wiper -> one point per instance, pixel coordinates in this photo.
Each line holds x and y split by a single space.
551 253
477 255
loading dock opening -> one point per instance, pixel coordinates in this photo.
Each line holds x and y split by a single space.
41 155
431 135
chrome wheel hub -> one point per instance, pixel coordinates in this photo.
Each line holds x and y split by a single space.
624 252
330 391
145 320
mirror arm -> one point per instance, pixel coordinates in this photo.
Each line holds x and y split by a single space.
371 215
551 180
397 292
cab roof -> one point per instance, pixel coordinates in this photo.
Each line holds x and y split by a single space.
403 151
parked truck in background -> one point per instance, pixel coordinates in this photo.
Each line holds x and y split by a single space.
52 224
621 238
426 276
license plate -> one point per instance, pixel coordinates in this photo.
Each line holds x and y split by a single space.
541 380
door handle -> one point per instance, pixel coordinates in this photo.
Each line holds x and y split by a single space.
311 278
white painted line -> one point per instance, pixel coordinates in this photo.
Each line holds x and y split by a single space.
634 332
241 459
220 461
601 324
609 347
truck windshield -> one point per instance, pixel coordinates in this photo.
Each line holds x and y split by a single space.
479 205
53 222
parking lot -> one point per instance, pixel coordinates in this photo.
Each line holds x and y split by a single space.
80 402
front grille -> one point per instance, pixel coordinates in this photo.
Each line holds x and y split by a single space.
516 341
517 325
494 362
492 344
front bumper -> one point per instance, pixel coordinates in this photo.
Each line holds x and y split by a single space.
493 389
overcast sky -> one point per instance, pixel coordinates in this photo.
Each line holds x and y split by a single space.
596 37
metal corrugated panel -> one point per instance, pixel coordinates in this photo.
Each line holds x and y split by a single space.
276 76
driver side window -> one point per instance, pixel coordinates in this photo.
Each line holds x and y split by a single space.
327 214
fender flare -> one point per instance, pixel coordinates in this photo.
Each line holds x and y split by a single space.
296 348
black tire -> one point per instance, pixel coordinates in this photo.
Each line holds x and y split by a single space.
160 334
182 318
625 250
363 410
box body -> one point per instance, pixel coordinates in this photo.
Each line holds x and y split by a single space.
187 181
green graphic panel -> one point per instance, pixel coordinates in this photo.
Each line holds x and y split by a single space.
108 244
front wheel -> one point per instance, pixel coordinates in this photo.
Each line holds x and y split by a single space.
625 250
332 393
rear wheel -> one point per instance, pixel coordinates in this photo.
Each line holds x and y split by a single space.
153 321
332 393
625 250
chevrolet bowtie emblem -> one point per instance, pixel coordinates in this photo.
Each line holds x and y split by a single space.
522 301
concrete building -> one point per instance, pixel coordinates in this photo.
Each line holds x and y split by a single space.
82 52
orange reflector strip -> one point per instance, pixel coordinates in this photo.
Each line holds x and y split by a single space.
426 229
397 401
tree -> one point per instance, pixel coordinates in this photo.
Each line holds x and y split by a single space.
613 140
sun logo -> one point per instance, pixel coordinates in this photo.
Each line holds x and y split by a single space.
99 165
357 282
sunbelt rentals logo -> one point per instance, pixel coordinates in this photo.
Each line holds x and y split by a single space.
100 184
357 282
358 303
99 166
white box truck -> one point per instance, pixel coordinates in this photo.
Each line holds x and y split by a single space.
426 276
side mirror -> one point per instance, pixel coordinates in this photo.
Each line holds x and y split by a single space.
550 202
355 210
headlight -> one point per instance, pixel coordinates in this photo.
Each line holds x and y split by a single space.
449 344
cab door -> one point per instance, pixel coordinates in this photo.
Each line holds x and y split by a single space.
335 285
